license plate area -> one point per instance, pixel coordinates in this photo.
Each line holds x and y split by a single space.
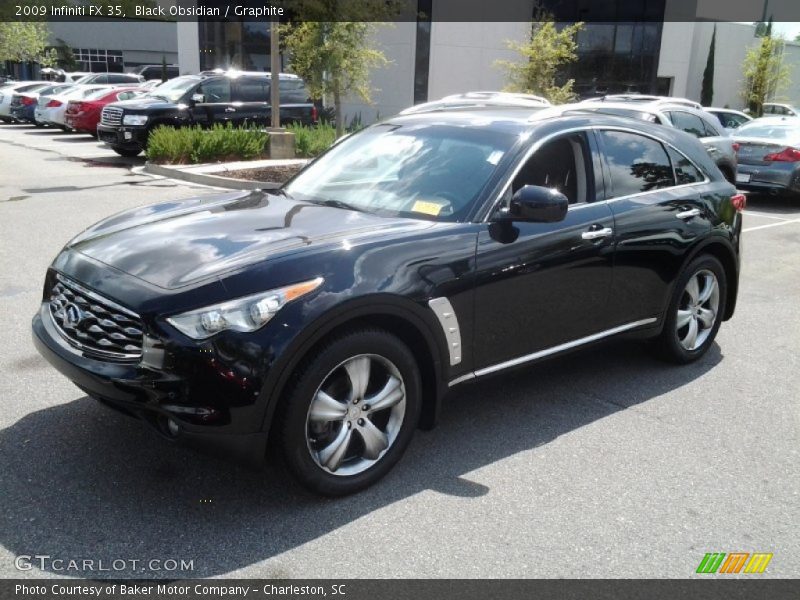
742 177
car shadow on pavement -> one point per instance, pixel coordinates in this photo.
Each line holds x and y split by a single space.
80 481
776 205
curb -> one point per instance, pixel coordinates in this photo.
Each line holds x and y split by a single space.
204 174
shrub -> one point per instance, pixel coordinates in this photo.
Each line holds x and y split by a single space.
197 145
312 141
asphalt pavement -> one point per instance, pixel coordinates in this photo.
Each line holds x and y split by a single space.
606 463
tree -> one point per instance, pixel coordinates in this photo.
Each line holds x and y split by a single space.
23 41
547 50
764 72
707 93
335 56
65 57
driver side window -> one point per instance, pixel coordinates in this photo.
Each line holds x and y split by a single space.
564 164
215 91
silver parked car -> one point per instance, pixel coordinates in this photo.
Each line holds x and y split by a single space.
705 127
769 155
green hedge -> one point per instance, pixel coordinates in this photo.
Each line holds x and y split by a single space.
195 144
312 141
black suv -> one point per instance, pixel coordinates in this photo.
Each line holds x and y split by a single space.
237 98
421 253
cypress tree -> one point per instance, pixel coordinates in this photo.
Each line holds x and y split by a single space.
707 93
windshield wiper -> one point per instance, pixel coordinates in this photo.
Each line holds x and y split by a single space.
339 204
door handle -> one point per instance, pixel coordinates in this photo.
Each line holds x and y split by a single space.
230 109
688 214
596 234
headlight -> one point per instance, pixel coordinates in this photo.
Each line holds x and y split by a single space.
244 314
134 119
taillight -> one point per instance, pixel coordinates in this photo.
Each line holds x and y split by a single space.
739 202
314 114
27 100
785 155
53 104
736 146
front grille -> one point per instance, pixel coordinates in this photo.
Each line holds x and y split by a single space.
95 324
111 115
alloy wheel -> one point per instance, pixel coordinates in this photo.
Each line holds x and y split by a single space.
356 415
697 310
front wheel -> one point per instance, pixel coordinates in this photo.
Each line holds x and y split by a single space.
695 313
127 152
351 412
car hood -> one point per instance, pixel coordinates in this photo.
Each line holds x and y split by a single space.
144 103
176 244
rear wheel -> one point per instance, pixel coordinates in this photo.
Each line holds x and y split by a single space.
351 412
127 152
695 313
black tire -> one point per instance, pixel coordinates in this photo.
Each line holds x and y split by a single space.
669 342
291 426
127 152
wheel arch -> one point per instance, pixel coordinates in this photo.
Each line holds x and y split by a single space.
403 319
723 251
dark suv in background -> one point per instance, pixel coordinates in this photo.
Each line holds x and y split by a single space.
238 98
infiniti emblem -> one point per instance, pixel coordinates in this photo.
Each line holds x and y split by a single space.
72 316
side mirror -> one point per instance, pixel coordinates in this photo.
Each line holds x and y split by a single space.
537 204
198 98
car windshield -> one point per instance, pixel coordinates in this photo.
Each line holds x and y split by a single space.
174 89
430 170
775 130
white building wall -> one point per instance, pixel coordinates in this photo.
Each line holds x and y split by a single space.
393 85
791 94
464 56
684 54
143 42
188 47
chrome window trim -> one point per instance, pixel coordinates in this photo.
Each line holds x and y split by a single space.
448 320
539 143
95 296
552 350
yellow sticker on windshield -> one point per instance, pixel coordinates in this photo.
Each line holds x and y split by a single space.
427 208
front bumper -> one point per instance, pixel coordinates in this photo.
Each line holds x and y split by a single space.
147 394
122 136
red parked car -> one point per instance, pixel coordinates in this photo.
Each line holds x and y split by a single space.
84 114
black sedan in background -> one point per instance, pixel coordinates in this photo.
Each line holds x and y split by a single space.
331 317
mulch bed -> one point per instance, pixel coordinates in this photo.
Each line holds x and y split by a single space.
278 174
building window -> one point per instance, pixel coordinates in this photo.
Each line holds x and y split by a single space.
99 61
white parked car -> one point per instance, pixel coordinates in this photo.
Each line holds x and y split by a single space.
51 109
645 98
7 91
472 100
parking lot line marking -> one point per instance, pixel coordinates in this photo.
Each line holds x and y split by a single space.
771 225
766 216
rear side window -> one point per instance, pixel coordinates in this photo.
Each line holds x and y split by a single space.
252 89
125 95
688 122
293 91
685 171
635 163
711 131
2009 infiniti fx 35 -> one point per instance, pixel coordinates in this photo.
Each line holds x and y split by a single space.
421 253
